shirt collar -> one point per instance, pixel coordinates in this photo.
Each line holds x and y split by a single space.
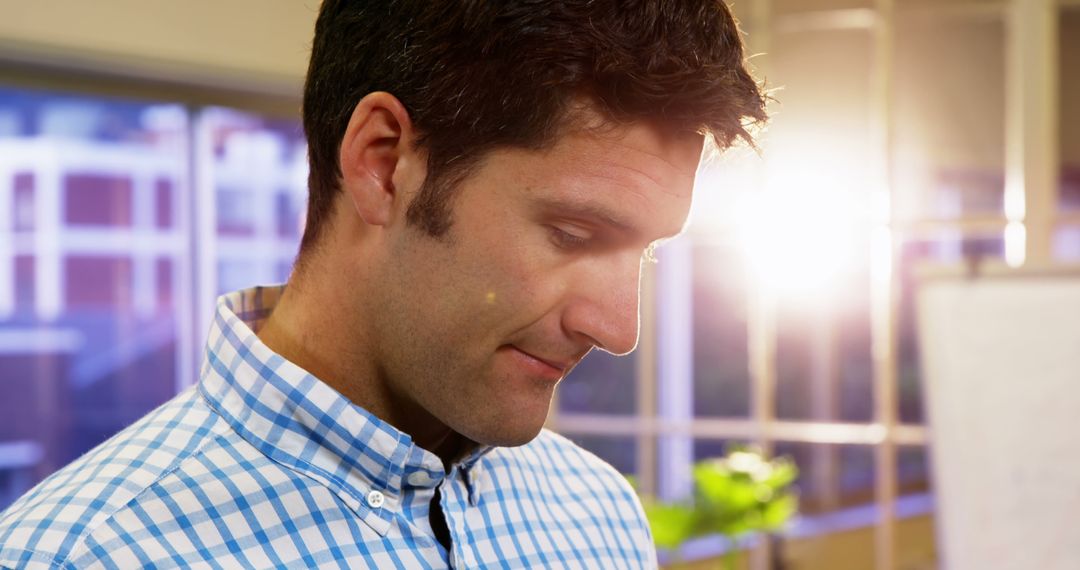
297 420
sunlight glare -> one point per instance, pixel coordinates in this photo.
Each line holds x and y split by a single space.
808 231
800 241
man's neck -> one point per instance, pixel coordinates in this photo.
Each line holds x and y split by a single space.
315 335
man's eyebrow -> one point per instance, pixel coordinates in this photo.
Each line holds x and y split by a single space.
588 211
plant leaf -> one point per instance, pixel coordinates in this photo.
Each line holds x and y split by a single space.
671 524
778 512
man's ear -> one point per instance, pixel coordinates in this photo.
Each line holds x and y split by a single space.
377 139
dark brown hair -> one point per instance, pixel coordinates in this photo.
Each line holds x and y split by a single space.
475 75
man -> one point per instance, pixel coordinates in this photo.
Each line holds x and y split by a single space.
485 178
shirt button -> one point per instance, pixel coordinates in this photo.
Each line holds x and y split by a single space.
375 499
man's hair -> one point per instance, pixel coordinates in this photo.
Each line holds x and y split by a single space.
476 75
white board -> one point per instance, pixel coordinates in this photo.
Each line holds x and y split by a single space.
1001 368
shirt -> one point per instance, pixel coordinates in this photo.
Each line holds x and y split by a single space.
261 465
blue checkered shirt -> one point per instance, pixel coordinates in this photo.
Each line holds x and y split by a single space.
261 465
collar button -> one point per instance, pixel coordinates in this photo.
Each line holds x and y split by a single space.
375 499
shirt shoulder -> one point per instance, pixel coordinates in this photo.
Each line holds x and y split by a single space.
581 472
578 500
560 457
46 525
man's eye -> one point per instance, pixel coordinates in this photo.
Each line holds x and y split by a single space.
567 240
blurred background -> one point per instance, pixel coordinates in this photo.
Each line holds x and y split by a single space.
151 158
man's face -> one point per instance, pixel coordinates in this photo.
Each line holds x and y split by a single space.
542 263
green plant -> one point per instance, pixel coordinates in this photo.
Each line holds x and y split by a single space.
735 495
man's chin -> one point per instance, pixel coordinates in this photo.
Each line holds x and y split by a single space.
512 419
506 435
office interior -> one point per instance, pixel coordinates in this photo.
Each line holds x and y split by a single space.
151 158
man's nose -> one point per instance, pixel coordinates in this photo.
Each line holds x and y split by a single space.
603 306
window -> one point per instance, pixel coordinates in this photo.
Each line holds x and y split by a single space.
1069 100
80 273
101 256
1066 239
258 167
887 153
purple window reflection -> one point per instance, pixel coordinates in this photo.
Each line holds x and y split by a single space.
163 188
24 282
98 200
89 321
23 206
100 323
98 282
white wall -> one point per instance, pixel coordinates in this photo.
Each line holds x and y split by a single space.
265 41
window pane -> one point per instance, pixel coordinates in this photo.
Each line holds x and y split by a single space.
1067 243
719 315
831 477
949 247
601 384
836 492
824 365
94 254
824 361
836 529
949 109
619 451
714 448
259 171
913 469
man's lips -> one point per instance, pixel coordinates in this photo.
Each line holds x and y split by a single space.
561 366
542 366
